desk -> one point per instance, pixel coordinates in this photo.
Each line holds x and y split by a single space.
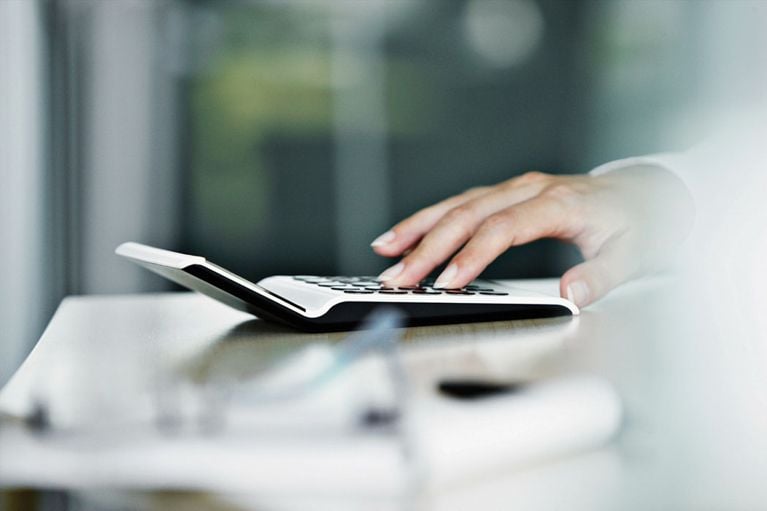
623 338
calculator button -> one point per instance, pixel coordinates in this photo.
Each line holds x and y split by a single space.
359 291
330 284
493 293
459 292
392 292
426 292
409 288
341 288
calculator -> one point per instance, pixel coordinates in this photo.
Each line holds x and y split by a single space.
332 303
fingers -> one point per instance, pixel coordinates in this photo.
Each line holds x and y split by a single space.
488 221
409 231
525 222
454 229
589 281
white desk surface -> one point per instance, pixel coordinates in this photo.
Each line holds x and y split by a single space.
631 338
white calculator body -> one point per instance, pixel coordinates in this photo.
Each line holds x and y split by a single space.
317 303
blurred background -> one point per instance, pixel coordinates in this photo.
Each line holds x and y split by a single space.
284 136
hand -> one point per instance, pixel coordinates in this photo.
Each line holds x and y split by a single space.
624 222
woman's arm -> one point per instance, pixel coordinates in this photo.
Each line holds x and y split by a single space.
624 222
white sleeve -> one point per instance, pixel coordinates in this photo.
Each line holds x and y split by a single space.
734 154
665 160
679 163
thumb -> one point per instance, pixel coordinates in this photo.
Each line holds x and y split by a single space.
589 281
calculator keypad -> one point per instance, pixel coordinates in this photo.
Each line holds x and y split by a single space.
372 285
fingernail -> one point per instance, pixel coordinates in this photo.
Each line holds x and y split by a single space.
392 272
384 239
578 293
446 276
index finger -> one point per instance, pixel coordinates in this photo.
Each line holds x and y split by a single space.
409 231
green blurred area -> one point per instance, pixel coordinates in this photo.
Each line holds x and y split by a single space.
261 139
252 95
